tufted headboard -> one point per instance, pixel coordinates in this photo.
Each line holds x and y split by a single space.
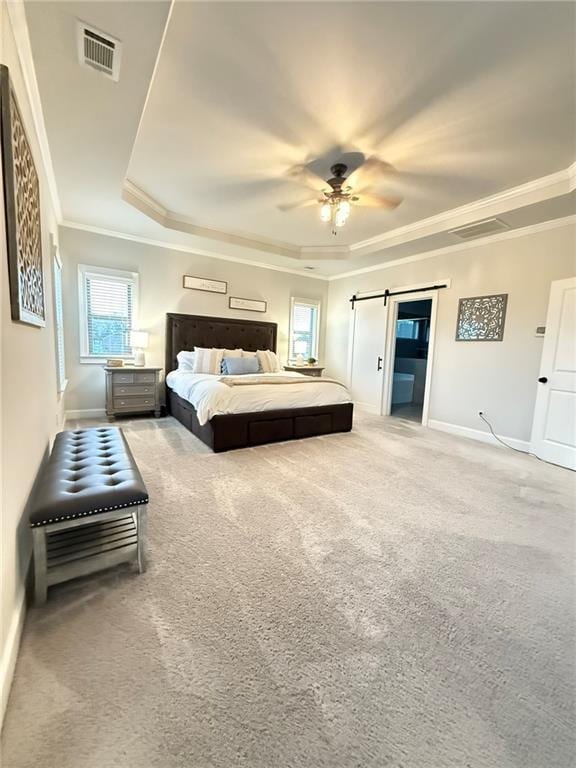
184 332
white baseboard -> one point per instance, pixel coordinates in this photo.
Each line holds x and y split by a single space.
10 651
478 434
366 408
87 413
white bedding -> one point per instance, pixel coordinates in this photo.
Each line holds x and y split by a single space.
212 397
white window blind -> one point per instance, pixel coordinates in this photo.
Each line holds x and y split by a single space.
59 325
304 320
108 311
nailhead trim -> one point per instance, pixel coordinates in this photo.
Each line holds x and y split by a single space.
91 512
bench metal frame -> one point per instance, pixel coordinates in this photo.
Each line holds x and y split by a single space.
73 548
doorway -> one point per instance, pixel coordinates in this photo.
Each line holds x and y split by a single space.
411 339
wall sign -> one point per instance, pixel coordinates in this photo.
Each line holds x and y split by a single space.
205 284
251 305
22 211
481 318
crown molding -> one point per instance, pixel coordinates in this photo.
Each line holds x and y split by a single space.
17 17
488 240
544 188
185 249
150 207
547 187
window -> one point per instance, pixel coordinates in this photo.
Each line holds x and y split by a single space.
108 311
407 329
417 328
304 324
59 324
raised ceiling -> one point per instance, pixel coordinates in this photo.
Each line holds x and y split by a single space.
465 100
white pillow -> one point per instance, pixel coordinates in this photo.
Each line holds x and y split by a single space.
208 360
268 360
231 352
186 360
248 354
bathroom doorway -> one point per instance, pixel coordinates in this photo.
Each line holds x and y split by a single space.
412 328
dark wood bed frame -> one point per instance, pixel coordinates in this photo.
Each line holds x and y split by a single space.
240 430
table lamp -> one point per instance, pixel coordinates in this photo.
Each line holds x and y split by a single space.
139 342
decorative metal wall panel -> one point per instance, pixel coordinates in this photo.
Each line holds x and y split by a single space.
22 209
481 318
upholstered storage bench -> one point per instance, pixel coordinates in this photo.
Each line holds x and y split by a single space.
88 509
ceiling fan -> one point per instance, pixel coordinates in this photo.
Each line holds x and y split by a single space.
337 199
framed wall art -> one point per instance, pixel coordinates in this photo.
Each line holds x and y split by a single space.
481 318
205 284
22 212
251 305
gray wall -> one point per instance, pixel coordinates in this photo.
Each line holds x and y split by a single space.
161 291
497 377
31 409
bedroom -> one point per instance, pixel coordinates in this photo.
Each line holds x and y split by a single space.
324 582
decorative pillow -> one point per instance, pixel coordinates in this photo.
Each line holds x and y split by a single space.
268 360
236 366
186 360
229 353
208 360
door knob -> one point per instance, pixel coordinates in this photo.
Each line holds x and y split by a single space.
543 379
379 364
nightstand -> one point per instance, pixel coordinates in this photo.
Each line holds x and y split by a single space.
307 370
132 389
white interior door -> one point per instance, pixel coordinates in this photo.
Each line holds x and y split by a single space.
367 354
554 430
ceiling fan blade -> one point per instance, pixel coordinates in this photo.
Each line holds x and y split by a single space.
370 168
299 204
378 201
303 175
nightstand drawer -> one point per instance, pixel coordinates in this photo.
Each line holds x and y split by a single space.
144 378
134 402
132 389
123 378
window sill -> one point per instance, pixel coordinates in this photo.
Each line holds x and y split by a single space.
86 360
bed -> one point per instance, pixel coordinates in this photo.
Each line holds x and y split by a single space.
227 431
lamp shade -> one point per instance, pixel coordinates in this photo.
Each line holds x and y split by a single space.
139 339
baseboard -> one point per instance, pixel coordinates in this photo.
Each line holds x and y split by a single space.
87 413
10 652
366 408
478 434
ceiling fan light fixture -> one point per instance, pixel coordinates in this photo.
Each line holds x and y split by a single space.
340 218
326 212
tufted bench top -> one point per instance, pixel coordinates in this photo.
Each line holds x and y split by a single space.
89 471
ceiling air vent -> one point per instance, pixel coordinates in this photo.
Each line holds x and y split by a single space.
99 51
479 229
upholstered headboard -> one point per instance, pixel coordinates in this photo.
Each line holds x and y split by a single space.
184 332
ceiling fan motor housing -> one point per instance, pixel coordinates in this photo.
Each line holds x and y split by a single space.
339 171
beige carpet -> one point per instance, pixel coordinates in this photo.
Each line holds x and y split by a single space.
390 597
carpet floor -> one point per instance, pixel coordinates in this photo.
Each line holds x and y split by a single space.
393 597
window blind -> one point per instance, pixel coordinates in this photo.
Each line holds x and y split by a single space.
109 307
59 326
304 329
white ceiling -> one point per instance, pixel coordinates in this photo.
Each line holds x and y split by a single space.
465 100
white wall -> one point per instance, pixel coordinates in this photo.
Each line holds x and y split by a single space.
161 271
497 377
31 411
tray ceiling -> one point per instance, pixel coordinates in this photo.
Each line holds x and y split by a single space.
465 100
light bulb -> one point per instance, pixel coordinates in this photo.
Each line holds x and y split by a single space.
340 218
344 208
325 212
